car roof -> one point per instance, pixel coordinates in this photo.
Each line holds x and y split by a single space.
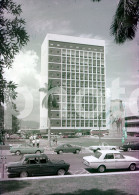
34 155
108 151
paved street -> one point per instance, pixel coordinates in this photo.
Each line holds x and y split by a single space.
75 161
79 180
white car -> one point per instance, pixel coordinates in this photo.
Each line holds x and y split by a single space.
103 146
108 159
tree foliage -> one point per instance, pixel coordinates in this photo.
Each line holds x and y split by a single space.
125 21
12 31
13 37
49 99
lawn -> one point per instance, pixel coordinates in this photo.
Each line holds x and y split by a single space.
127 184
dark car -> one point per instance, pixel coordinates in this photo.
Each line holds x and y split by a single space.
67 148
130 146
36 165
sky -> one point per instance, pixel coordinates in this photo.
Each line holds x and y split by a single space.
81 18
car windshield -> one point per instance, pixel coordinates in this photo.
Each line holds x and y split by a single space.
104 144
97 154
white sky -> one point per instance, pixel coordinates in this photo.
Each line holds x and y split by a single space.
81 18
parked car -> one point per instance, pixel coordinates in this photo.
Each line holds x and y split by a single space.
44 136
103 146
36 165
130 146
14 136
25 149
66 148
94 136
108 159
70 136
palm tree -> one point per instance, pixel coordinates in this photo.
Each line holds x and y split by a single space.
125 21
49 102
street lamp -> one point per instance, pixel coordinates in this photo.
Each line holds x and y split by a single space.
99 125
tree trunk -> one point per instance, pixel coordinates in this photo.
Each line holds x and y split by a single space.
2 137
49 133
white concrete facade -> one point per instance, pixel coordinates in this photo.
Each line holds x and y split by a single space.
76 66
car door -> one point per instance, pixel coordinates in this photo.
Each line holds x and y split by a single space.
46 166
104 146
109 161
66 148
70 148
33 166
120 161
29 149
136 147
21 148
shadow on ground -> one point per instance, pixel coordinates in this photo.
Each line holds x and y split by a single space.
92 192
13 186
90 170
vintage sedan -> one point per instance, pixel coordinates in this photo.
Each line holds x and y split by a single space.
103 146
130 146
25 149
108 159
67 148
14 136
36 165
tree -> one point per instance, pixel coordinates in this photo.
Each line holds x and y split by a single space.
118 122
15 121
12 38
125 21
49 101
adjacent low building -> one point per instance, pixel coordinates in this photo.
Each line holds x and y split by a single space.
132 125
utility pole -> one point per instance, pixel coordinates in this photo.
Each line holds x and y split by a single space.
99 125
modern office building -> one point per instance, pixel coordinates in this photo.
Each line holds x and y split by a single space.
76 69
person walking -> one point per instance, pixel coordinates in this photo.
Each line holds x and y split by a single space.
31 138
34 136
33 142
56 140
38 142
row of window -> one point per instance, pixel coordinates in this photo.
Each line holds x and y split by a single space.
81 60
73 46
75 68
75 61
72 114
76 53
82 99
86 76
79 123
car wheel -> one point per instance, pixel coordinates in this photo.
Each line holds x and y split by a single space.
98 149
17 152
113 148
24 174
61 172
132 167
129 149
60 152
77 151
38 152
101 169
